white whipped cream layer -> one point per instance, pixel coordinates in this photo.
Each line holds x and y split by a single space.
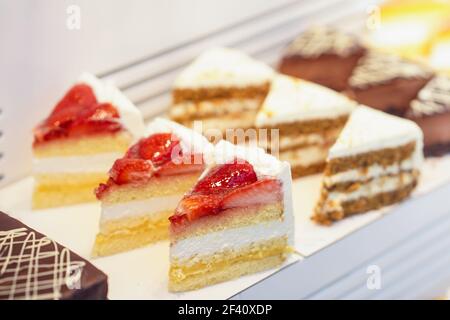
305 156
288 141
370 189
369 130
214 107
191 142
223 67
100 162
263 163
291 99
307 139
130 116
373 171
229 239
219 126
139 207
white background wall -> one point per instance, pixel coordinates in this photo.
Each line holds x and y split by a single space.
40 57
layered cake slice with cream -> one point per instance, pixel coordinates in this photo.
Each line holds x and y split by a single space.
145 186
223 87
309 118
74 147
374 163
236 220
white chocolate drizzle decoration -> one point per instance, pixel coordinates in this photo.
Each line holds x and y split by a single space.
378 68
434 98
33 267
319 40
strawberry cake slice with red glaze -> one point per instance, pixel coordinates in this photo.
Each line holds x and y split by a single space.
73 148
236 220
145 186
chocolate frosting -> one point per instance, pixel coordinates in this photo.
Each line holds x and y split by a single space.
378 67
32 266
323 40
434 98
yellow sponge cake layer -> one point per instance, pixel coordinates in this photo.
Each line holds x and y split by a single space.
231 218
226 265
53 190
101 143
157 187
132 232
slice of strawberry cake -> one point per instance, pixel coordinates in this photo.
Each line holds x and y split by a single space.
236 220
92 125
146 184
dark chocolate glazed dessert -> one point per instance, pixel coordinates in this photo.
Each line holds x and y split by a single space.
324 56
431 111
387 82
33 266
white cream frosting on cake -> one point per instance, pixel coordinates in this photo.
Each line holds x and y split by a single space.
265 166
190 140
223 67
291 99
130 116
150 206
369 130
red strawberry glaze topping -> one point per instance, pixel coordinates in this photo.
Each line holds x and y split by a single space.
227 186
157 155
78 114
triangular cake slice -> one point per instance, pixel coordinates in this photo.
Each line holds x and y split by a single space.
35 267
146 184
324 55
223 87
387 82
73 148
309 118
374 163
236 220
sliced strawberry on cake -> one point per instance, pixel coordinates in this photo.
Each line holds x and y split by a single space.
145 185
77 143
236 220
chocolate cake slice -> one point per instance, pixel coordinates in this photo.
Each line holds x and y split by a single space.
387 82
32 266
431 111
324 56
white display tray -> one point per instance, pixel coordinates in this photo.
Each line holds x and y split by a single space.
142 273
